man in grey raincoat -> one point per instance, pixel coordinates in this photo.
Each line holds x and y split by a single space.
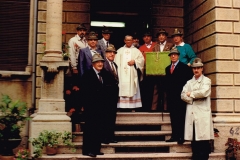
198 122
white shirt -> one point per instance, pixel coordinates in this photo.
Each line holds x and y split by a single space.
148 45
181 44
112 65
105 42
162 45
92 51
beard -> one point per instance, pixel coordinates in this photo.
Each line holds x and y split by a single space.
81 36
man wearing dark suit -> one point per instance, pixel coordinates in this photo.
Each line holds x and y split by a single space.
93 102
111 90
104 42
85 54
177 74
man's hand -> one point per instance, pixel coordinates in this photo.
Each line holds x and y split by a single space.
132 62
188 94
75 88
75 71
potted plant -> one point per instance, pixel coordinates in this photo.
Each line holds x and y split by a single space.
22 154
233 147
12 119
51 140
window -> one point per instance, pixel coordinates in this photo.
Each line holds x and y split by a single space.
14 33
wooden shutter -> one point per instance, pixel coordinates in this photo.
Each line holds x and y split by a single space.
14 34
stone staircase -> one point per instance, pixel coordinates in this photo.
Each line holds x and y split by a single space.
141 136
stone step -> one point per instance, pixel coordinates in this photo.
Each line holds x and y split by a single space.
142 133
120 134
112 148
142 117
133 156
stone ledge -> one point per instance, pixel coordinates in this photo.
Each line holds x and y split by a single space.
8 74
138 156
226 118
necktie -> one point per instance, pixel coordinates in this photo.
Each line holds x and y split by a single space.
114 72
107 43
99 78
172 68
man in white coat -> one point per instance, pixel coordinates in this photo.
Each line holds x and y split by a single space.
129 59
198 122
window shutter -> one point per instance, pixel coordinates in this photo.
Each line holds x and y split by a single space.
14 33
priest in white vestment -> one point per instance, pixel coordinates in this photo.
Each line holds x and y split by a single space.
129 59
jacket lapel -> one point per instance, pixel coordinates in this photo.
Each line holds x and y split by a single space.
89 54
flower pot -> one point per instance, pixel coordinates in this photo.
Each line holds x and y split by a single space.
6 157
51 150
7 146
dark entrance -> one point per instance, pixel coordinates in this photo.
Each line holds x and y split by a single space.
135 15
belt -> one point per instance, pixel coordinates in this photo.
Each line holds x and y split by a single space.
199 99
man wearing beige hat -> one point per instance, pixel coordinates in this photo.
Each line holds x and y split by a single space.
198 124
75 44
85 54
111 92
187 54
177 74
92 89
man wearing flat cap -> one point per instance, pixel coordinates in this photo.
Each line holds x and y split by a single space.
148 44
187 54
104 42
93 96
111 92
75 44
177 74
162 44
154 84
86 54
146 91
198 124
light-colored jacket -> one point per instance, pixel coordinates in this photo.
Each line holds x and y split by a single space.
75 44
198 109
137 56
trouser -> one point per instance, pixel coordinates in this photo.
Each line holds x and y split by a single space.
177 116
200 149
152 93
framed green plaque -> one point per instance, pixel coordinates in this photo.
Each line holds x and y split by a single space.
156 62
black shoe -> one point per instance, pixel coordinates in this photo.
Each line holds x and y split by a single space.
181 141
105 142
171 140
113 141
90 154
99 153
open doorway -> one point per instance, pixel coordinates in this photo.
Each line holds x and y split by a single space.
135 15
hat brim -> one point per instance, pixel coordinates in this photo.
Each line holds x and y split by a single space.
161 33
180 34
197 65
111 51
109 32
173 52
147 35
98 60
81 29
92 38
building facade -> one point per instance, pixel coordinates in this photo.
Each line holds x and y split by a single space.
212 27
